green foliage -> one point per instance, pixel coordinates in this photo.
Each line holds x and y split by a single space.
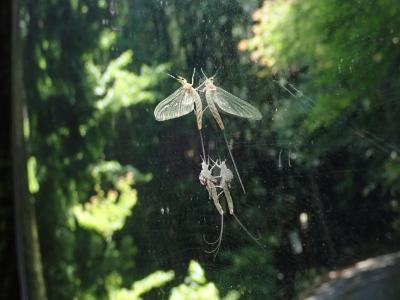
328 30
93 72
68 134
33 183
107 212
196 287
118 88
341 56
154 280
254 265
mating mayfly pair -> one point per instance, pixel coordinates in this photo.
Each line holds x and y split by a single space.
187 98
219 176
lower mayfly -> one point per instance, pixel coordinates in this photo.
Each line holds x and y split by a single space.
209 181
224 179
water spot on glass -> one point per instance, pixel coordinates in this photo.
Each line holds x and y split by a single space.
113 8
395 40
280 159
189 153
369 153
293 156
303 217
394 204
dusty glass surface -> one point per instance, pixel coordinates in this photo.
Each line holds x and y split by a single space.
119 208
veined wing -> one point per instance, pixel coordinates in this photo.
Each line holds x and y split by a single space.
234 105
176 105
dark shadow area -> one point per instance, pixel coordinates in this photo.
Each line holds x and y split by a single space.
8 254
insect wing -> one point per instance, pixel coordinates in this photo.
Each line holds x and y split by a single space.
176 105
234 105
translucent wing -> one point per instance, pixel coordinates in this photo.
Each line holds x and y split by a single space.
235 106
176 105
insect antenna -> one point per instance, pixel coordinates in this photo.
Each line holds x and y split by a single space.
234 164
219 240
172 76
248 232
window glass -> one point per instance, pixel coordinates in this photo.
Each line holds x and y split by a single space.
299 110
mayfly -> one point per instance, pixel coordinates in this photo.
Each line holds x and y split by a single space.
224 179
228 103
181 102
209 181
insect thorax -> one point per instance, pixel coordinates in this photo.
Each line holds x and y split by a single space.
188 87
210 85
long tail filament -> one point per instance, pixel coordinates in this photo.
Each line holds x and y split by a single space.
219 240
234 163
248 232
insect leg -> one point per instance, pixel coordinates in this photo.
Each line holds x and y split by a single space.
201 69
216 72
194 71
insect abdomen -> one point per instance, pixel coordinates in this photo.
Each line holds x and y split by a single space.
199 110
210 95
